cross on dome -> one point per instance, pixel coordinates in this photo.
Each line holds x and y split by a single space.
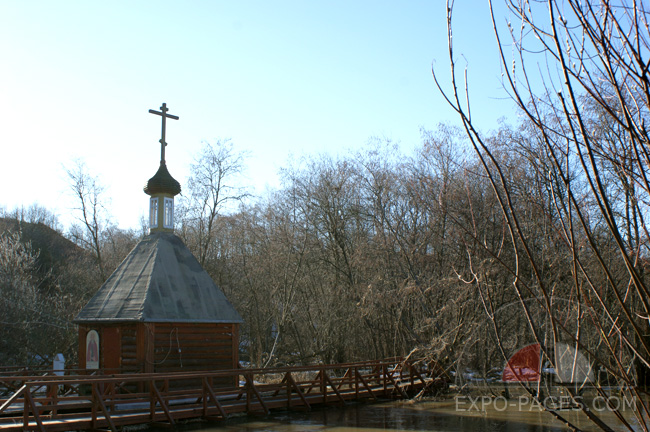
165 116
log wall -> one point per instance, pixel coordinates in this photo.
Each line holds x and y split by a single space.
129 360
165 347
195 347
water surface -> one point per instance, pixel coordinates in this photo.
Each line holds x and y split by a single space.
397 416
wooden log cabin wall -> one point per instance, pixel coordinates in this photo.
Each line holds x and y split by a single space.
164 347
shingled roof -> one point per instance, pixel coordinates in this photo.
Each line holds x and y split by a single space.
159 281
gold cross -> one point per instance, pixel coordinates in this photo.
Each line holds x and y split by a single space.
164 115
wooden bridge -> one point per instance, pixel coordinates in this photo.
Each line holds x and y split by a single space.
103 402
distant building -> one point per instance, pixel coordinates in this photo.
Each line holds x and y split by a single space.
159 311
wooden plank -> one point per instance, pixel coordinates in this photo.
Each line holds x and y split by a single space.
234 328
100 401
347 376
365 384
396 385
13 398
176 368
148 332
83 331
187 352
185 329
215 400
414 371
162 403
312 383
297 388
220 352
193 336
37 417
110 347
190 358
215 349
336 391
251 385
323 385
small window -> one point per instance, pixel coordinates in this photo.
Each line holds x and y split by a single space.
153 213
169 213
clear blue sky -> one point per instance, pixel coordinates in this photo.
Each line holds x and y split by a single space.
284 78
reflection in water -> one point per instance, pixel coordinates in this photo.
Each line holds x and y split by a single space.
419 416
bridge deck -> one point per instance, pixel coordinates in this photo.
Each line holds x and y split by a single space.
112 401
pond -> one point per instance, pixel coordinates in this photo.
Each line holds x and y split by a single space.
449 416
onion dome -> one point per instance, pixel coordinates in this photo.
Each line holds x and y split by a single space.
162 183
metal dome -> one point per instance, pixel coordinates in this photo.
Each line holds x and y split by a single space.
162 183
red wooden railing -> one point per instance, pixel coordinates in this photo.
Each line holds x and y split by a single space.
54 403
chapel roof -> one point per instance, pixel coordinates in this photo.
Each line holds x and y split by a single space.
159 281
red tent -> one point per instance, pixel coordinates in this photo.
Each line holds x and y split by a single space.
524 365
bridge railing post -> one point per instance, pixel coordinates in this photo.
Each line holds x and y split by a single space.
26 391
93 416
323 386
287 383
249 392
52 393
204 396
152 401
111 391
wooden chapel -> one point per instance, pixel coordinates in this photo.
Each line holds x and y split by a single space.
159 311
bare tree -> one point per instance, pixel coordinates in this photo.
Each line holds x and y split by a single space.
212 188
585 115
35 213
116 243
19 295
88 193
33 315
